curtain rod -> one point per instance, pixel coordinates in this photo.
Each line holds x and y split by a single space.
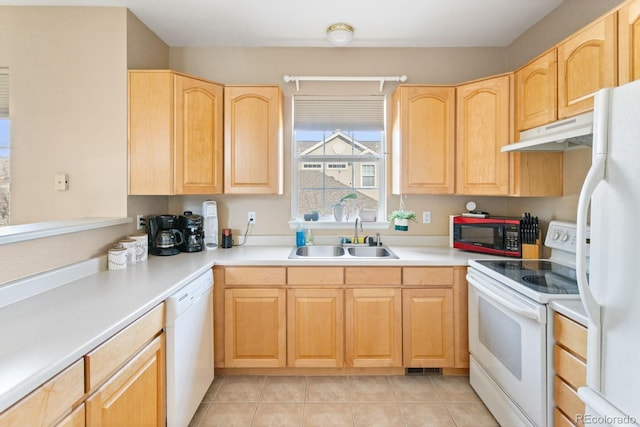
381 79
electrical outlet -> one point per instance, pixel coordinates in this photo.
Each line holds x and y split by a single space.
140 222
251 217
426 217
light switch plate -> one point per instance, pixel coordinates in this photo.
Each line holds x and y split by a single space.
61 182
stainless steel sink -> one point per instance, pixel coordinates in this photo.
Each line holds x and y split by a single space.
329 251
317 251
371 252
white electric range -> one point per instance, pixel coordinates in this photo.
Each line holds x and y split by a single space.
510 328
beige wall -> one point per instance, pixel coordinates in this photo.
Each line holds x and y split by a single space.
269 65
68 70
81 55
68 110
423 66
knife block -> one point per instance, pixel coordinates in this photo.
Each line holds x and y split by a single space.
532 251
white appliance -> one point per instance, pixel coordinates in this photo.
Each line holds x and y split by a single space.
611 294
189 348
510 333
563 135
210 224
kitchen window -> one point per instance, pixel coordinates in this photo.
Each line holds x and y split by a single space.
338 149
5 174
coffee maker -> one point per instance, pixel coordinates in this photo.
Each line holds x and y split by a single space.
191 228
164 235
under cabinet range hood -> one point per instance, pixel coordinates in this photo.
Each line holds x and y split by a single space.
563 135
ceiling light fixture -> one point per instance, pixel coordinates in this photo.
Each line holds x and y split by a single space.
340 34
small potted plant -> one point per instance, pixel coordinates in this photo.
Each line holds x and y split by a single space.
401 219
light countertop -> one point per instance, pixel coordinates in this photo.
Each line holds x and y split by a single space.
573 309
47 332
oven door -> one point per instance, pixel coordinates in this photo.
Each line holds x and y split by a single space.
507 338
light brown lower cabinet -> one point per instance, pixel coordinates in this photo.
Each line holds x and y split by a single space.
428 327
340 317
255 328
373 327
569 363
50 401
135 395
120 382
75 418
315 328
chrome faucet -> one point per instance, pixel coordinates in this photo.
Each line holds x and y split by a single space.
356 233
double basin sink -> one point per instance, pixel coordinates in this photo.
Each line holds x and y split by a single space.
330 251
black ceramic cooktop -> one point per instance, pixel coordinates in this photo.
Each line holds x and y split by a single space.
539 275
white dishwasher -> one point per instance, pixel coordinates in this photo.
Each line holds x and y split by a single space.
189 334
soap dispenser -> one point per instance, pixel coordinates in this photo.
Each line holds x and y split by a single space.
300 237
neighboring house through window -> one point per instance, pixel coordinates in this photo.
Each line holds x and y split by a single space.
338 149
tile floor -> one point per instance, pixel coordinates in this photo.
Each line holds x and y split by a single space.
394 401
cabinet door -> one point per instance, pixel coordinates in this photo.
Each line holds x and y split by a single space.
315 328
483 127
134 395
629 42
423 140
373 327
75 418
428 335
586 63
150 132
253 140
536 92
198 136
255 328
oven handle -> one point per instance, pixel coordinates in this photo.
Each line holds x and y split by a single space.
516 306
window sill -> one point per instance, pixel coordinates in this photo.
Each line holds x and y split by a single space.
332 225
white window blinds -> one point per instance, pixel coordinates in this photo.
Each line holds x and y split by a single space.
321 113
4 93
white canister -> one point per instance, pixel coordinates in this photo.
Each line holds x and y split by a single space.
117 258
142 246
130 246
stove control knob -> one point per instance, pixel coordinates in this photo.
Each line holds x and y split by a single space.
555 235
565 237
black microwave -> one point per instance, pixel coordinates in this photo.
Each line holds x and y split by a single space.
491 235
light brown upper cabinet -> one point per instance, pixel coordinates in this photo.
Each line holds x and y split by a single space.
253 140
175 134
586 63
423 140
536 92
629 42
483 126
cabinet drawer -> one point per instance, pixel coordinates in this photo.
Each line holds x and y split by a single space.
315 275
373 276
570 335
567 399
427 276
50 401
238 276
561 420
105 359
568 367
